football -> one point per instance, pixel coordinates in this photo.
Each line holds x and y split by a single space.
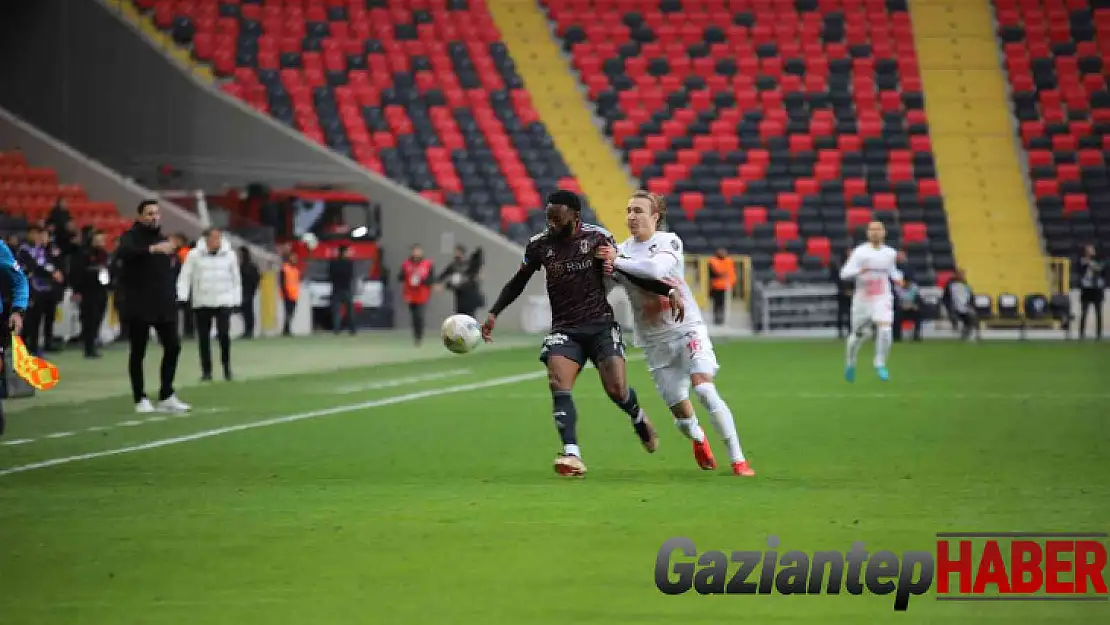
461 333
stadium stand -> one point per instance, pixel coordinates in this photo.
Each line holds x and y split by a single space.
1057 56
28 194
776 129
425 94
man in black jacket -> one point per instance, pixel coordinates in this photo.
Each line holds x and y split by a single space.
90 277
148 264
461 277
341 274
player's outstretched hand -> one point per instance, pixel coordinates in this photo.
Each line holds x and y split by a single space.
678 306
607 253
487 328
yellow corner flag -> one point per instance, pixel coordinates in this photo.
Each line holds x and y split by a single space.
39 373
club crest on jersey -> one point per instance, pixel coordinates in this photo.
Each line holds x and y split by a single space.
584 246
674 244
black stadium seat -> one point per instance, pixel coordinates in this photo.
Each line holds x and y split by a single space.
1036 308
984 306
1008 306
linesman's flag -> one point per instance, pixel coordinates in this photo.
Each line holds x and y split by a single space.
39 373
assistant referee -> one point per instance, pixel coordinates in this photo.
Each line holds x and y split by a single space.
13 308
148 290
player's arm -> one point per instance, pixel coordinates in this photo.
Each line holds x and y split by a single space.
652 285
898 277
655 267
852 268
511 291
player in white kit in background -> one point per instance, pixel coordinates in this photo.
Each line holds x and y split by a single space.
873 265
679 352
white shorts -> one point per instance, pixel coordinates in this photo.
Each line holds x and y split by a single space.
866 313
672 362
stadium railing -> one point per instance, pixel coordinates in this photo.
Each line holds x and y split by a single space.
697 276
1021 312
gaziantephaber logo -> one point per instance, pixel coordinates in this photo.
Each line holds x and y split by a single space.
967 566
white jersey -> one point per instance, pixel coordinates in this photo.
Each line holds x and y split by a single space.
873 269
660 258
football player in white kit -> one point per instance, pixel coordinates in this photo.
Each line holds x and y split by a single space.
873 265
679 353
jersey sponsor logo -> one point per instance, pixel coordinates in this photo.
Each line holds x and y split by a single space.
552 340
584 246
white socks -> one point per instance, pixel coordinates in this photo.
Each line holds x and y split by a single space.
855 341
883 340
722 418
690 428
572 450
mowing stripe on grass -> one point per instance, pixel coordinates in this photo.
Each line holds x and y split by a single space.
380 384
301 416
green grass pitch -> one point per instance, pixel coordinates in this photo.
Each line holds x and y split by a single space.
402 494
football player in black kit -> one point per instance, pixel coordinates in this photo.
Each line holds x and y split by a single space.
583 325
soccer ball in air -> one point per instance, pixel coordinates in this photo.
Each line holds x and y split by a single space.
461 333
310 241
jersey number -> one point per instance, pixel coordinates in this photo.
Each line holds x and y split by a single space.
694 346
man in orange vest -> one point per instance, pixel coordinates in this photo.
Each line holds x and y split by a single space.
290 290
417 276
722 277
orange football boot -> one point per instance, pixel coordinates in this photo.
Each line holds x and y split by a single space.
703 454
742 469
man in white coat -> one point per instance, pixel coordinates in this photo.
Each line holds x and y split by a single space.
210 275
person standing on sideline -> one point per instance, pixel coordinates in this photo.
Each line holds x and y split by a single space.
341 274
251 277
417 276
958 297
1092 289
43 275
13 306
290 290
210 278
148 262
461 277
843 297
182 247
90 280
722 277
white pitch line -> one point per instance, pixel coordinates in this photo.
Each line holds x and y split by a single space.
380 384
313 414
59 435
19 441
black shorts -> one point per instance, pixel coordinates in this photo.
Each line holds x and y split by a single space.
596 343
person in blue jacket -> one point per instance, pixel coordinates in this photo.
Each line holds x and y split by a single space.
13 302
